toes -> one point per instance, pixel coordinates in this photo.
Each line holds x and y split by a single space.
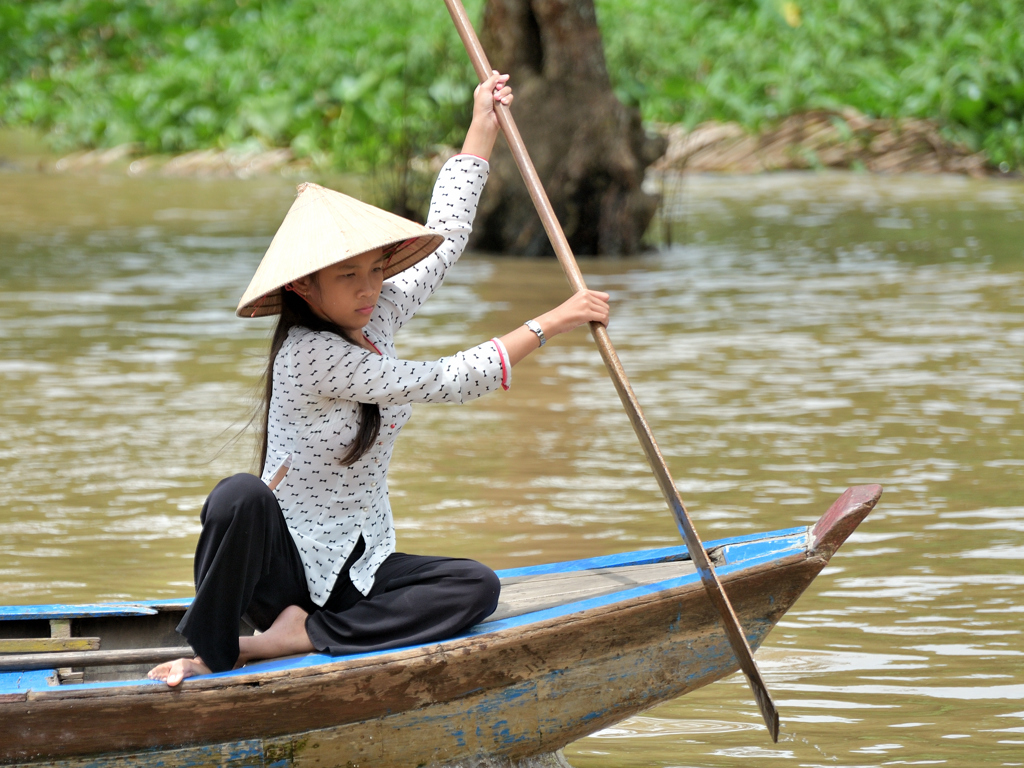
159 672
171 672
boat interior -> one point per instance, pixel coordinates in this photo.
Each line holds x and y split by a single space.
93 638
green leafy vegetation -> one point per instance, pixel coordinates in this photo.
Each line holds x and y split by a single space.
756 61
364 85
351 84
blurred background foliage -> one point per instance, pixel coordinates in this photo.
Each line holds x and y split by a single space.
959 62
358 86
351 84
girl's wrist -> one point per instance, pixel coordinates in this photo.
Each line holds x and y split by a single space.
549 323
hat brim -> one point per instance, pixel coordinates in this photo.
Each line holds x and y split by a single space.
407 255
323 228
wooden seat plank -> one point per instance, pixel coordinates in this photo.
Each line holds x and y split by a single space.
48 644
524 594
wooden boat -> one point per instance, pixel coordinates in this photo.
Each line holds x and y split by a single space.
573 648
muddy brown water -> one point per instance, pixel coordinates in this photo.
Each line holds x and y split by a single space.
806 333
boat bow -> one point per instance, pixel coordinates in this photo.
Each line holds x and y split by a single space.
841 519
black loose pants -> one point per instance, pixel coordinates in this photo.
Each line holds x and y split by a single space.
247 565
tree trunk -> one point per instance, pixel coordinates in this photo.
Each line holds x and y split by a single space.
589 149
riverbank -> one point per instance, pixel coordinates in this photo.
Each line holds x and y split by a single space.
360 87
836 139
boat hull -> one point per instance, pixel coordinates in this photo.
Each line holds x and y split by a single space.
522 688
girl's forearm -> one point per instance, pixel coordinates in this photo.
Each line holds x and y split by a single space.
519 343
582 308
480 140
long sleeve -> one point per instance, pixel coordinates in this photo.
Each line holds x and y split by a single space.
323 365
452 210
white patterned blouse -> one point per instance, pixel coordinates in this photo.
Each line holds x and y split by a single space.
320 379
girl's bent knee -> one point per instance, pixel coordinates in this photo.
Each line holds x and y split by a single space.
243 494
242 484
487 587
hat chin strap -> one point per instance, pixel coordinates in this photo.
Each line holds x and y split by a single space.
298 291
314 306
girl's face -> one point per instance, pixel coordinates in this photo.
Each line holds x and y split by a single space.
346 293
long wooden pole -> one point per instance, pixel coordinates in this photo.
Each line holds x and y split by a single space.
565 257
16 662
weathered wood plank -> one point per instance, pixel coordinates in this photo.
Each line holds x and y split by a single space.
60 629
523 594
622 574
49 644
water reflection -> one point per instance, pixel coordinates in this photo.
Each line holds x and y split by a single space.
811 332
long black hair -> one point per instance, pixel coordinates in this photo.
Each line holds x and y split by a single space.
296 312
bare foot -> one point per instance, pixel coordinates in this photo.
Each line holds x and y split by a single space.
173 672
286 636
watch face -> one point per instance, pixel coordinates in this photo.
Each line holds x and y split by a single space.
534 326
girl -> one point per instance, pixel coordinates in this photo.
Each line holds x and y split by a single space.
307 553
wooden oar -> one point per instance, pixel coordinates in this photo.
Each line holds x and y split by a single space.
16 662
565 257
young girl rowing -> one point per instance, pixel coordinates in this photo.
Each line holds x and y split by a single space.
307 553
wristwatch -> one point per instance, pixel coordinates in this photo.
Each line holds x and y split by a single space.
534 326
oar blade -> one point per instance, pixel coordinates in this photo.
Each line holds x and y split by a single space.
765 704
730 621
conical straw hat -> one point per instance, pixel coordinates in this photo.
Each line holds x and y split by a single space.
322 228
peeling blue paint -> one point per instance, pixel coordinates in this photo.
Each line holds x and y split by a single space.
500 732
459 736
16 682
746 551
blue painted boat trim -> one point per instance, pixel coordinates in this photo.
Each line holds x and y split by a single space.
741 553
12 682
29 612
736 552
644 556
177 602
